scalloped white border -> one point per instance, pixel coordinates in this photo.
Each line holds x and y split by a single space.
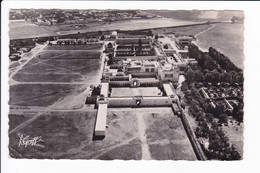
252 99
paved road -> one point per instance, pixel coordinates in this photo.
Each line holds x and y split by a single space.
34 53
205 30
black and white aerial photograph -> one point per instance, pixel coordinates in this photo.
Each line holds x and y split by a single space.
113 85
136 84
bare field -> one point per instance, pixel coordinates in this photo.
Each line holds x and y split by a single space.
61 66
40 95
166 136
15 120
140 91
60 132
69 135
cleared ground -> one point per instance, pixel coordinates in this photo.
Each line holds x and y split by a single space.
61 66
166 136
69 135
42 95
140 91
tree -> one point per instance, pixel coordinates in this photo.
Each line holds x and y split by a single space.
150 33
198 76
102 37
209 77
240 115
189 75
156 37
220 106
223 118
226 77
209 108
165 46
209 117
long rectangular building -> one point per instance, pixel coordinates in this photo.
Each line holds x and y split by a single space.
168 90
104 89
100 129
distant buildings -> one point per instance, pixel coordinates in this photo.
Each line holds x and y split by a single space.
183 41
134 48
58 16
136 57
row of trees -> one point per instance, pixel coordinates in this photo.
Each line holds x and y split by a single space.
205 61
213 76
223 61
212 60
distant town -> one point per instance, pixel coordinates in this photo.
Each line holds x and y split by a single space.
56 16
146 94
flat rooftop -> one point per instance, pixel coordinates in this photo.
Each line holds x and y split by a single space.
101 120
168 89
104 89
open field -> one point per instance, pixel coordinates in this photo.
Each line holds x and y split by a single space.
61 66
23 29
76 47
140 91
234 133
166 136
227 38
69 135
15 120
41 95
